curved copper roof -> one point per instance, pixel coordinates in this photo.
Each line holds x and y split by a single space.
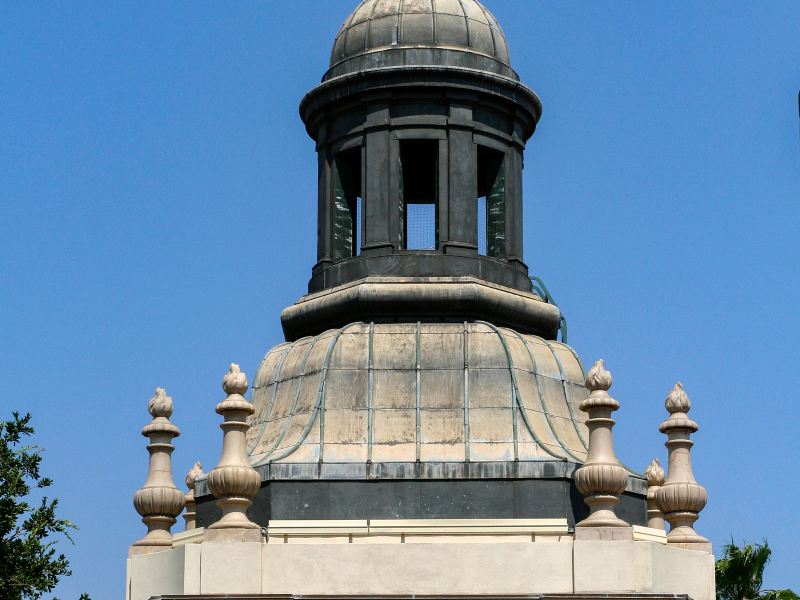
460 26
419 392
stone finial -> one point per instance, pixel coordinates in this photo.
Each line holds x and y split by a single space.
234 381
159 502
677 401
601 478
654 474
233 481
598 379
681 498
190 515
160 405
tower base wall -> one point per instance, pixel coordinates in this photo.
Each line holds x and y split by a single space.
354 559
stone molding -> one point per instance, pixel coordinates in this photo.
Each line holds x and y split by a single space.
489 87
649 534
191 536
434 529
466 298
533 469
617 596
418 527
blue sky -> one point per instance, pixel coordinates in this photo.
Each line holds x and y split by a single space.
157 194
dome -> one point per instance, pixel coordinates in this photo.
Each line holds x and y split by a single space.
418 392
459 33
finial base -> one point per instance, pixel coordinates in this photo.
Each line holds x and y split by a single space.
602 512
158 536
233 514
682 530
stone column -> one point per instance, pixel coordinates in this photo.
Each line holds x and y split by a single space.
602 479
382 232
233 481
681 498
190 514
159 502
462 200
654 474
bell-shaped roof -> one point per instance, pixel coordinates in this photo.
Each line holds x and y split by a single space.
418 392
459 33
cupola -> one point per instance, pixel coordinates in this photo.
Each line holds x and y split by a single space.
420 126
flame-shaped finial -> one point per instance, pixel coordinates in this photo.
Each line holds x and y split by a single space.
654 473
234 382
160 405
194 474
598 378
677 400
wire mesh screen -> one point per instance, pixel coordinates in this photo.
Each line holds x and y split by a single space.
420 226
482 226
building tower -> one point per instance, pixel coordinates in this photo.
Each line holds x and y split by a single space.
422 430
421 376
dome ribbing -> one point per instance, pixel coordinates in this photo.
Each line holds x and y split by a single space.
420 32
449 392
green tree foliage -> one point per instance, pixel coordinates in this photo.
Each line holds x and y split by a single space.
740 574
29 563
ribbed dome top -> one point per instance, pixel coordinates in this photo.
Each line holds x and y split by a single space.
456 27
427 392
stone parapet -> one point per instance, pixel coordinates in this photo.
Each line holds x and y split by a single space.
482 558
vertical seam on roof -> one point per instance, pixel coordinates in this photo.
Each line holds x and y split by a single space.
515 397
434 20
466 22
368 38
300 380
324 388
400 20
466 393
317 407
267 412
418 392
545 409
370 378
491 29
567 395
347 30
519 402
